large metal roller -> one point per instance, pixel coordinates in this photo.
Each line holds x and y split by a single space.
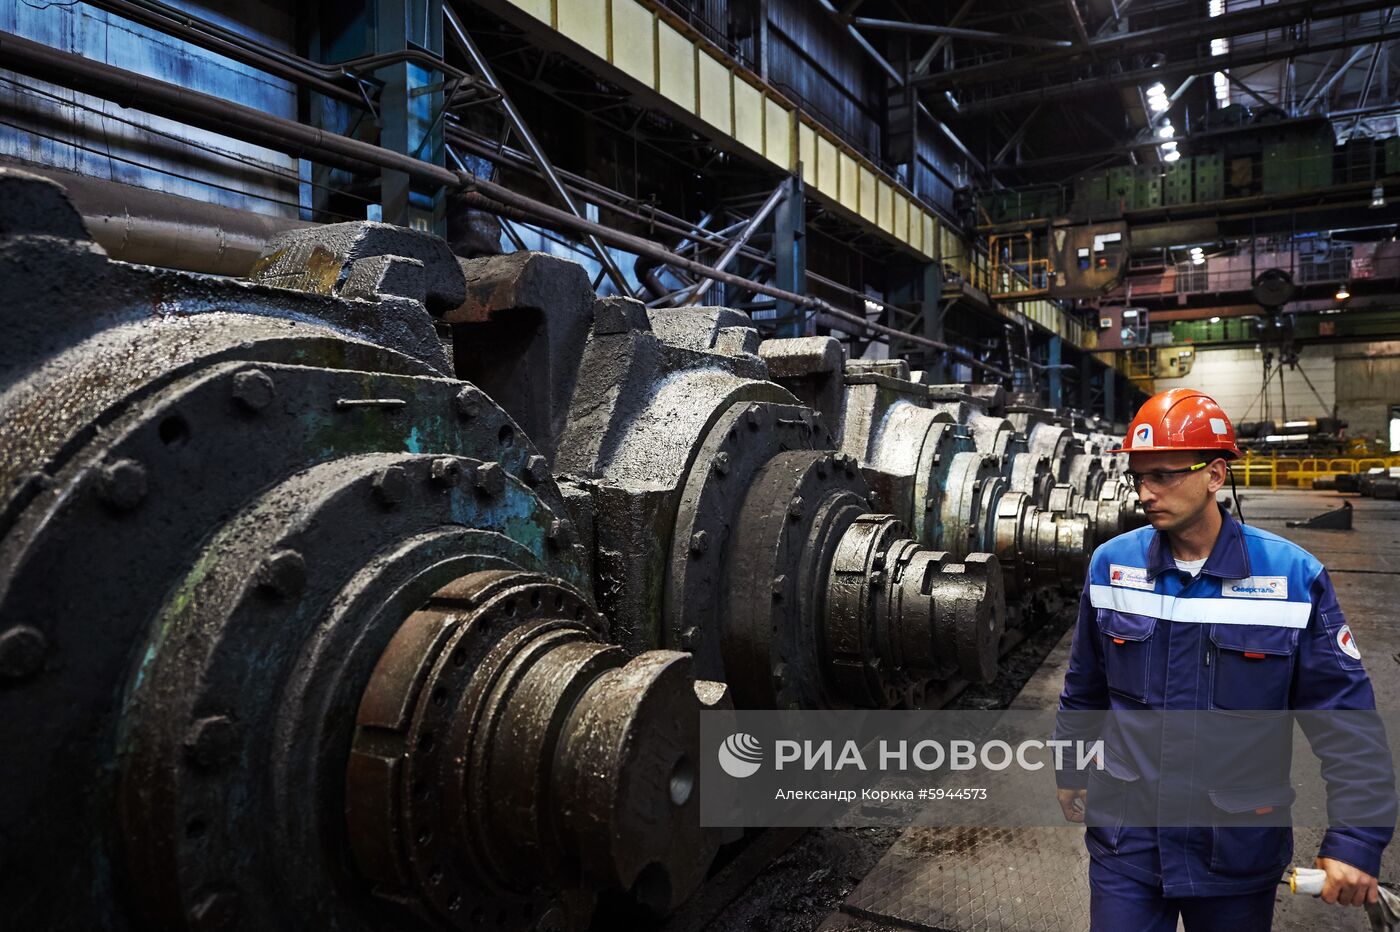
701 474
962 479
297 628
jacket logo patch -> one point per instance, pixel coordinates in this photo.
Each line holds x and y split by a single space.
1134 577
1348 643
1255 587
1142 436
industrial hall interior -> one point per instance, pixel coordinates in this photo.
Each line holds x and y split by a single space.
423 422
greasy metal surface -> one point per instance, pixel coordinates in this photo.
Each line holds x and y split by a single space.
223 501
742 440
510 747
364 260
797 507
966 472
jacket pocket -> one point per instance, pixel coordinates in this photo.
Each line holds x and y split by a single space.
1253 666
1239 849
1127 651
1110 797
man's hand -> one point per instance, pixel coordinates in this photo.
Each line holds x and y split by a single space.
1072 804
1345 885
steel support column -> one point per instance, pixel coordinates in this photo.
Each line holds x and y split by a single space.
1110 396
1086 382
409 105
1057 399
790 254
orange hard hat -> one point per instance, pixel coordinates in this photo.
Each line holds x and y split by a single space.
1180 419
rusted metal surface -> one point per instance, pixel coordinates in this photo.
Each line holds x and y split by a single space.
223 503
502 750
303 629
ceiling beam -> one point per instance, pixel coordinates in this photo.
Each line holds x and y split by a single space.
1151 40
1202 64
955 32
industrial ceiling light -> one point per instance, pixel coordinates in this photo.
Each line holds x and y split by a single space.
1157 98
1171 155
1166 130
1343 292
1378 196
1215 320
1198 255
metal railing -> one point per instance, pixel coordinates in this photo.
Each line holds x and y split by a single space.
1271 472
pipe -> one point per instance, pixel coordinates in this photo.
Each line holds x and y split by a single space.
206 111
1244 22
235 120
148 227
493 197
517 122
979 35
1078 21
1172 70
922 66
1313 98
739 242
1370 79
199 33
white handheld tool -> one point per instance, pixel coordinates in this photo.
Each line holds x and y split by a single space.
1307 880
1383 914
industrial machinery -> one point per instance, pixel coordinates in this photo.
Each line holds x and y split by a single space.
727 522
384 589
296 629
960 467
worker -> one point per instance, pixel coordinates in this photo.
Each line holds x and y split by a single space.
1134 650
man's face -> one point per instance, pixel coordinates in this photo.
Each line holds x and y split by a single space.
1175 500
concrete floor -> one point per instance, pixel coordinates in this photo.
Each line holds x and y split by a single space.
956 880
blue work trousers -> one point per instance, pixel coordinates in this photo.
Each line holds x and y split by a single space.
1118 903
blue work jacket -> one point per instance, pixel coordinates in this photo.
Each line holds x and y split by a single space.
1258 628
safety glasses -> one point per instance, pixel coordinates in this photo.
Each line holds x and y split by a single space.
1163 478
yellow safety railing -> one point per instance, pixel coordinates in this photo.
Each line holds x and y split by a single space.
1270 471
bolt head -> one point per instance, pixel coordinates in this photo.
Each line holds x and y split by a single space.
795 507
490 479
211 742
390 485
561 533
779 584
122 485
283 574
445 470
699 542
690 637
751 419
536 469
253 389
471 401
22 650
721 464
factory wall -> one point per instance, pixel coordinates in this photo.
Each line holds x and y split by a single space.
1362 379
1368 383
58 128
